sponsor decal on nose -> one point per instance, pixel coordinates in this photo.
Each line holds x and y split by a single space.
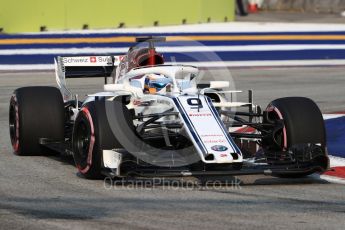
219 148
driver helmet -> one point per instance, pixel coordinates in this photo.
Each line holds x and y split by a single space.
155 83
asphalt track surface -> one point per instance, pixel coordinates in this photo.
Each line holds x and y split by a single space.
46 192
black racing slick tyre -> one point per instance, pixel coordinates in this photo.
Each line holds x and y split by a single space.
303 123
34 113
91 135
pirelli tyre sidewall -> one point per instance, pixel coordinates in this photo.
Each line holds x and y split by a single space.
303 123
35 113
86 149
91 135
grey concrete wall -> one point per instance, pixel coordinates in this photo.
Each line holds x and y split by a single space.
318 6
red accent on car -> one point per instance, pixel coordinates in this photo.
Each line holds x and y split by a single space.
246 129
151 57
93 59
280 116
87 113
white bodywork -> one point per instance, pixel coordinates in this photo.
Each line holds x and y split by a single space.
196 111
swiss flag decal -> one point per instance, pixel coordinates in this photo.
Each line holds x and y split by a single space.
93 59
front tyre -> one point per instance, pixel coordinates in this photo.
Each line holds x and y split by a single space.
86 155
302 124
92 134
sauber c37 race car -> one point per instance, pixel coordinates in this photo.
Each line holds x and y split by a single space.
155 119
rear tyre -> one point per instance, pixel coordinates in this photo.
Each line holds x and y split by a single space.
303 123
34 113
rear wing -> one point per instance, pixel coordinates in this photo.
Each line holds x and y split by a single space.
87 66
83 67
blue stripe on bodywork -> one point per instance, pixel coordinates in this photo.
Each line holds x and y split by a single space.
190 126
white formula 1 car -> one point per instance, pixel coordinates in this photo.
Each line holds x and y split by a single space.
156 120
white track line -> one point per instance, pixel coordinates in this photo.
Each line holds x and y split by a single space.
335 161
331 179
228 27
332 116
27 67
269 63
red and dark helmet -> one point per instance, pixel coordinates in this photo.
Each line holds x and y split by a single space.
140 56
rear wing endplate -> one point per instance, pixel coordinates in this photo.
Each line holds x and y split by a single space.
83 67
